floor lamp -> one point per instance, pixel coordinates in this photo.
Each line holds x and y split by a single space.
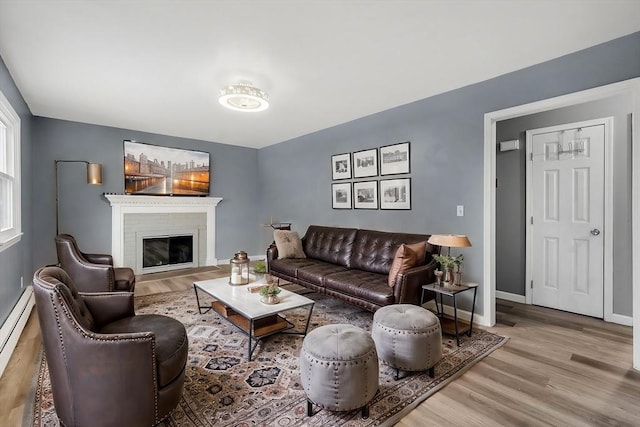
94 176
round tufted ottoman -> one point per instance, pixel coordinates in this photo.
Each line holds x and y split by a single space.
408 337
339 368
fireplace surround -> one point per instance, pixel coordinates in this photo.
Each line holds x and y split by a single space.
150 211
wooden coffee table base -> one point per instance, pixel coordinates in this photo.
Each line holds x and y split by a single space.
260 326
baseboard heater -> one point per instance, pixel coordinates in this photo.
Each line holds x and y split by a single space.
13 326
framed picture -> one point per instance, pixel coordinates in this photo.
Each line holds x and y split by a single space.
341 166
395 193
365 163
395 159
365 195
341 196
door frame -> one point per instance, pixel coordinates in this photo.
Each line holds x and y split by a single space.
607 225
630 88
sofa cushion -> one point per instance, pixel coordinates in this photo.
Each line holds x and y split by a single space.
315 273
289 244
361 284
329 244
374 251
407 256
289 267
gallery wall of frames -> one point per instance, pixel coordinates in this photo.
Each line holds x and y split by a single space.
360 183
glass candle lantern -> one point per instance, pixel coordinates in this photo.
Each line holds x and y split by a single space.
239 269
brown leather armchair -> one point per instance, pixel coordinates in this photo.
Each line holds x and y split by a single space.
108 366
92 272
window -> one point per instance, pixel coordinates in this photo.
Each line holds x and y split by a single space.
10 214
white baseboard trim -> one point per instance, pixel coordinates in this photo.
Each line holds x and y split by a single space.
13 326
511 297
262 257
620 319
478 319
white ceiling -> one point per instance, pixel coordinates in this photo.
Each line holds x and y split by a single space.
157 66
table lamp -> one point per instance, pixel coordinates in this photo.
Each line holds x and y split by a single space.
451 241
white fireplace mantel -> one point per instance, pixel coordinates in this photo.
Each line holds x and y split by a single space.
122 205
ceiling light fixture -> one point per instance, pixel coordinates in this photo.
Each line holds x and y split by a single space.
244 97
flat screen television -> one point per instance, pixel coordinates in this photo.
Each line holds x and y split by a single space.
163 171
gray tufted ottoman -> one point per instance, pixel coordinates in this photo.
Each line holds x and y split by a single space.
339 368
408 337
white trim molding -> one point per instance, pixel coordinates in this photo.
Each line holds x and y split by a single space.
122 205
508 296
11 175
635 221
464 315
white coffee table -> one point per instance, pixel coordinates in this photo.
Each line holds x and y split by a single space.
244 309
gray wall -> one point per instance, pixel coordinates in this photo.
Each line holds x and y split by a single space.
86 214
446 134
291 181
15 262
511 192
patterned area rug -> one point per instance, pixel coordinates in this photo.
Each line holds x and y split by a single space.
223 389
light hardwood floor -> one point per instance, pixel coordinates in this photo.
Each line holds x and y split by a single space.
557 369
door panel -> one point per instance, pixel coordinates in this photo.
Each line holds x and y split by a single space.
551 263
568 202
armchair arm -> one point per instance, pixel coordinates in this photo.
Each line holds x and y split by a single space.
107 307
90 277
99 258
408 288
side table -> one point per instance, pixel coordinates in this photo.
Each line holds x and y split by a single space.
452 326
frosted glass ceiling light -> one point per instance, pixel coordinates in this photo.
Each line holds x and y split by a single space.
244 97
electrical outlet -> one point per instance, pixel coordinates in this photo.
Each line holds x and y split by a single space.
460 210
21 282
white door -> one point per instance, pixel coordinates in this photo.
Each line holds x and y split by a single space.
567 244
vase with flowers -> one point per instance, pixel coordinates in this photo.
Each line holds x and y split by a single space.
448 263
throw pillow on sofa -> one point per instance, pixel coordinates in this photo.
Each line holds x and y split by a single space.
289 244
407 256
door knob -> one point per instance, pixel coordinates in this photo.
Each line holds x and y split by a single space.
595 232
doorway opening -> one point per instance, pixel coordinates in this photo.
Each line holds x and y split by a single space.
630 88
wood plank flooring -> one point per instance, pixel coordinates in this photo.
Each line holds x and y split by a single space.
557 369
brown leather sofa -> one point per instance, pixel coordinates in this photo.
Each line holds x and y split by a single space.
92 272
353 265
108 366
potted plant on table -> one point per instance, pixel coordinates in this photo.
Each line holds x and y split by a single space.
259 270
270 293
448 263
